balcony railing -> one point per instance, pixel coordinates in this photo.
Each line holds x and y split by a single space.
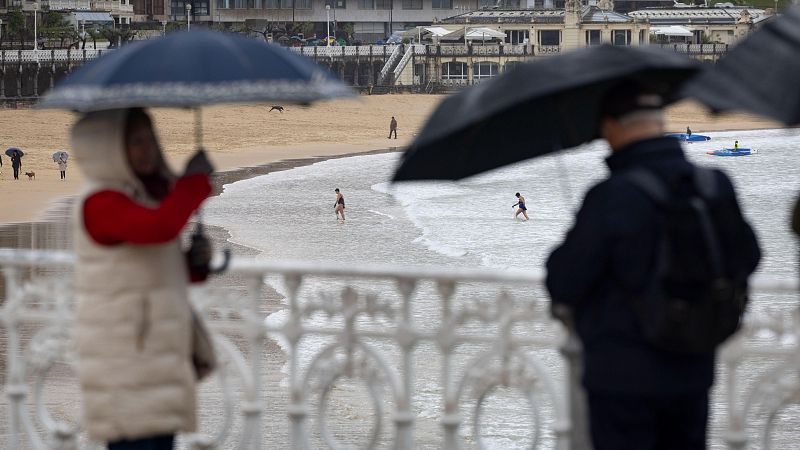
27 56
429 348
696 49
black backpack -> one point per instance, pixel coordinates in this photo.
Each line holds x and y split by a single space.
692 303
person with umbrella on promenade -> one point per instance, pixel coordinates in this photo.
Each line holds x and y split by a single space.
141 346
610 270
60 158
15 155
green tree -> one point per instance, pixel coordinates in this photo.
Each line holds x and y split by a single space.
16 25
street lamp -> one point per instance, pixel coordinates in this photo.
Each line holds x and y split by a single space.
328 24
163 27
35 41
188 16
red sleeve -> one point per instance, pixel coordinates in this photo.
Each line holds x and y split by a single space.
112 217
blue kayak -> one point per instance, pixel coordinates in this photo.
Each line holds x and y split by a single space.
690 138
732 152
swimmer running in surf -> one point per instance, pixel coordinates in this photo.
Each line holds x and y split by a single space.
522 209
338 207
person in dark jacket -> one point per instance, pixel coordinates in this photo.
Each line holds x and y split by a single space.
16 164
639 397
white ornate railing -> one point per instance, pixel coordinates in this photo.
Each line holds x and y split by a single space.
485 50
514 49
696 49
453 49
410 52
548 49
15 56
430 347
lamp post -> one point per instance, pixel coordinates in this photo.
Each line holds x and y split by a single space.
391 10
328 24
188 16
334 22
163 27
35 40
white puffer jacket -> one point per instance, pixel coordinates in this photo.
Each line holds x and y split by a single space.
133 317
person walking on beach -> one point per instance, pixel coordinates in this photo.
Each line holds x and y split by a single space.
521 203
643 391
16 164
62 166
393 128
338 206
136 333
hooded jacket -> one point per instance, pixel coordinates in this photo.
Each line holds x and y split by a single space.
133 316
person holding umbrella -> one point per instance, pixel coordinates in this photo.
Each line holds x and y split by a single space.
15 155
60 158
134 321
640 394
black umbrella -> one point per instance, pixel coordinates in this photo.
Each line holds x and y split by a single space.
761 74
11 151
534 109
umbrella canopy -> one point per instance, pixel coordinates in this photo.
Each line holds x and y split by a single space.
759 75
537 108
194 69
12 150
58 155
673 30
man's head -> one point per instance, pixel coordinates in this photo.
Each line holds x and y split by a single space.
516 195
141 146
629 113
336 190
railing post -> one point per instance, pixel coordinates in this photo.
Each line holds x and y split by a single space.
572 350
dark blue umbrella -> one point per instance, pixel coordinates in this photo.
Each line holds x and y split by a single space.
194 69
14 150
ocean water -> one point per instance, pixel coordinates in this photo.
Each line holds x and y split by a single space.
289 215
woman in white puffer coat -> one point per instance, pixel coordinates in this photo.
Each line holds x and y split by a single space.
134 321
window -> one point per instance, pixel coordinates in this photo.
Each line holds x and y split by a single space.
621 37
486 3
454 71
366 4
549 37
272 4
442 4
483 71
412 4
517 36
594 37
510 65
384 4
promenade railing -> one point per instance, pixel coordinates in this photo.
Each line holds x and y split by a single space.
377 356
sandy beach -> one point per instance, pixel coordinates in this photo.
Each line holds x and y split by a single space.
244 136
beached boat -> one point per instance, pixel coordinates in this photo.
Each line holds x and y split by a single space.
732 152
690 138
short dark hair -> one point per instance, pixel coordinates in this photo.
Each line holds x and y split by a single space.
517 194
336 190
137 116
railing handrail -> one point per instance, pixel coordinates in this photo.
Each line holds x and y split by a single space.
60 258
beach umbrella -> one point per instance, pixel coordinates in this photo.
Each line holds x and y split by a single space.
57 155
759 75
11 151
534 109
193 69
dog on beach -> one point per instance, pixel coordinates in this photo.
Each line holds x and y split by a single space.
279 108
31 175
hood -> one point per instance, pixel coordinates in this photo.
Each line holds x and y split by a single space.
98 142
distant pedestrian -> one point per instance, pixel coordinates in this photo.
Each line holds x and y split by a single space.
338 206
16 164
688 132
393 128
522 208
62 165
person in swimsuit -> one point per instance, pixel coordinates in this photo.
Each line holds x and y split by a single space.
339 205
522 209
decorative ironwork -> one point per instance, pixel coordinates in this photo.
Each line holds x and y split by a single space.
390 330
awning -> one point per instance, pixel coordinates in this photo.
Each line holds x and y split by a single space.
81 16
673 30
474 34
426 32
